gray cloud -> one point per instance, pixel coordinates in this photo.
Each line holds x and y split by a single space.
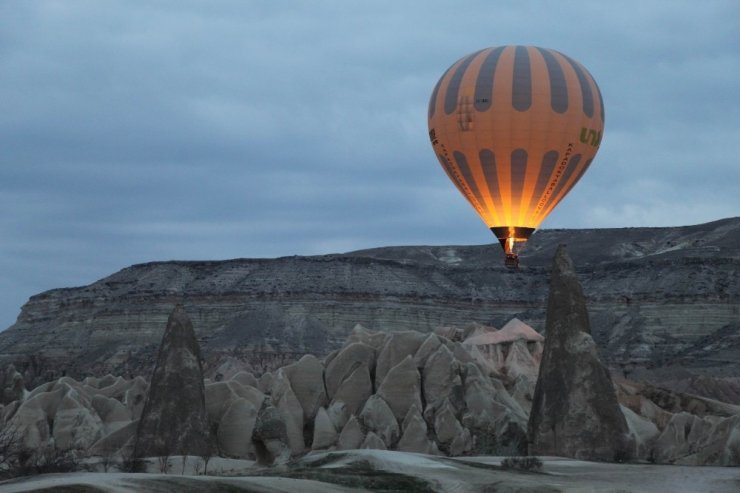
139 131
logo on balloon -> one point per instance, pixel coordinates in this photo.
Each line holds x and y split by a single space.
590 136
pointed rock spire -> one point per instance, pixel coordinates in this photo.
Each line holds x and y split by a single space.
575 412
174 420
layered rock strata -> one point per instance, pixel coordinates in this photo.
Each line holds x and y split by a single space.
662 302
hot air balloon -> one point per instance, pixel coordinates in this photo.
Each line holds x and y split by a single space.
515 128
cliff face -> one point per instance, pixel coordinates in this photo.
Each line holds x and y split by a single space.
660 299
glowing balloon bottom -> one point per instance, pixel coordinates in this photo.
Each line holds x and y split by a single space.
512 239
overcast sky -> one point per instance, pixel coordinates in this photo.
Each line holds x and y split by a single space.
135 131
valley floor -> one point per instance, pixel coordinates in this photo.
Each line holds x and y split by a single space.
386 471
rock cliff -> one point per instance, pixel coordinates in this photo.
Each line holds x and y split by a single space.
663 303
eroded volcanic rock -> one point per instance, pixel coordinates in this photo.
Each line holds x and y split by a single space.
575 412
174 419
662 302
472 413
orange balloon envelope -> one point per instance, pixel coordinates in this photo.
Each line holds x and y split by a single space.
515 127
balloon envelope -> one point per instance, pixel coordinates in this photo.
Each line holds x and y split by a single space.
514 128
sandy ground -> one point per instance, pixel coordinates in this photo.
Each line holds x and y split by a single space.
373 470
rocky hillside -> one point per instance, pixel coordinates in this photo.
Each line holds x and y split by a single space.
404 391
664 303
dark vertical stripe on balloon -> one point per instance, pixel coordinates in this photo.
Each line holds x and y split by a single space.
549 160
518 173
433 99
558 87
601 100
484 83
488 163
453 88
464 167
588 97
521 91
572 165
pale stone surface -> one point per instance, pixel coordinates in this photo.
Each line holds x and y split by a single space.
378 417
414 410
270 436
345 363
246 378
536 351
398 346
514 330
373 441
112 412
220 395
307 381
427 348
414 438
351 436
488 406
292 412
236 427
490 355
731 452
520 363
483 361
324 433
440 372
116 441
460 353
265 382
643 432
401 387
71 414
679 440
338 414
461 444
75 427
446 425
134 396
355 389
369 337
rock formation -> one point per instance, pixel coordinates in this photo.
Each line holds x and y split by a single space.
401 387
471 409
12 386
174 420
575 412
234 432
662 304
352 436
95 415
270 435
